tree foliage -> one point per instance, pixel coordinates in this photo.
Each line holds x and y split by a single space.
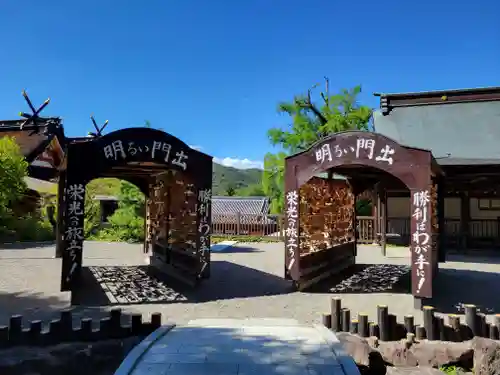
99 186
17 225
13 169
254 190
127 222
311 121
273 180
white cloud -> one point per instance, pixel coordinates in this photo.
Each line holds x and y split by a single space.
239 163
234 162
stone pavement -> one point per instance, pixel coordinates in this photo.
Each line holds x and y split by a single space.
239 347
246 282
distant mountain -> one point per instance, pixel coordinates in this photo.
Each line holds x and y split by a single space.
226 177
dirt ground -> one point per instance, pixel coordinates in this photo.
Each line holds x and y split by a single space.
246 282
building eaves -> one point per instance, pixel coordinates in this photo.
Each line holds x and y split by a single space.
222 205
389 101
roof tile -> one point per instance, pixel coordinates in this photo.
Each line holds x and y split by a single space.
242 205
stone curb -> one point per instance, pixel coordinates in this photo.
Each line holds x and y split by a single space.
133 358
346 361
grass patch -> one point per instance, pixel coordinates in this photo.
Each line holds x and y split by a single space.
454 370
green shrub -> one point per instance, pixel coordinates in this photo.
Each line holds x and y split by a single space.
28 228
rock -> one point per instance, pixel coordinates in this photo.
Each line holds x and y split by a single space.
439 353
403 353
397 353
369 360
413 371
96 358
486 356
357 347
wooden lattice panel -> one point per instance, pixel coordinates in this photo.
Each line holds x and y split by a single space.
157 212
326 214
172 213
182 219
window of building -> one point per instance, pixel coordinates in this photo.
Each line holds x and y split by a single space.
489 204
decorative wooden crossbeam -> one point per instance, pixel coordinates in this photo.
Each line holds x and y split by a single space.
32 118
98 129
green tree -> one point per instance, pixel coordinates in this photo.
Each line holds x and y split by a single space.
311 121
99 186
127 221
230 191
254 190
13 169
273 180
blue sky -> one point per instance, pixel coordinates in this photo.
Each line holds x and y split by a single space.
212 72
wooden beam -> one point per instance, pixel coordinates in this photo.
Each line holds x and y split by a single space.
464 219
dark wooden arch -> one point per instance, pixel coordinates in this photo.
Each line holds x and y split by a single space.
136 155
349 153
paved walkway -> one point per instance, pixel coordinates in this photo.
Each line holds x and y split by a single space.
239 347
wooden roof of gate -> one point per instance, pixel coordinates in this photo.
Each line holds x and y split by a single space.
42 143
363 155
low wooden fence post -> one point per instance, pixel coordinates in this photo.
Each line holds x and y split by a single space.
383 322
429 323
363 328
63 330
387 327
336 308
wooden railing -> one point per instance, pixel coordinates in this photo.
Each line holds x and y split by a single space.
248 225
365 229
482 232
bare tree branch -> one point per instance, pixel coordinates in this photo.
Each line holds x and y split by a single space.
307 103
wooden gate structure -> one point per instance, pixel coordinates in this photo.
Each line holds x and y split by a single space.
320 231
177 181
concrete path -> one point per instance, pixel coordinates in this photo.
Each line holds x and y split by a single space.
239 347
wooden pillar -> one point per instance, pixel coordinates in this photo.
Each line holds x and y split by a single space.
147 212
464 219
375 214
383 219
441 240
60 214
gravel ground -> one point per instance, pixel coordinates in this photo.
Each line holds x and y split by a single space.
246 282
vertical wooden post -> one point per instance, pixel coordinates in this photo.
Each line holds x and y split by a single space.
147 201
238 223
383 221
336 313
363 328
464 219
383 322
60 214
375 214
441 241
429 322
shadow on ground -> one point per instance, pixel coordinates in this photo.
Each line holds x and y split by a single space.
129 285
25 245
236 250
368 278
36 306
455 288
286 349
483 257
